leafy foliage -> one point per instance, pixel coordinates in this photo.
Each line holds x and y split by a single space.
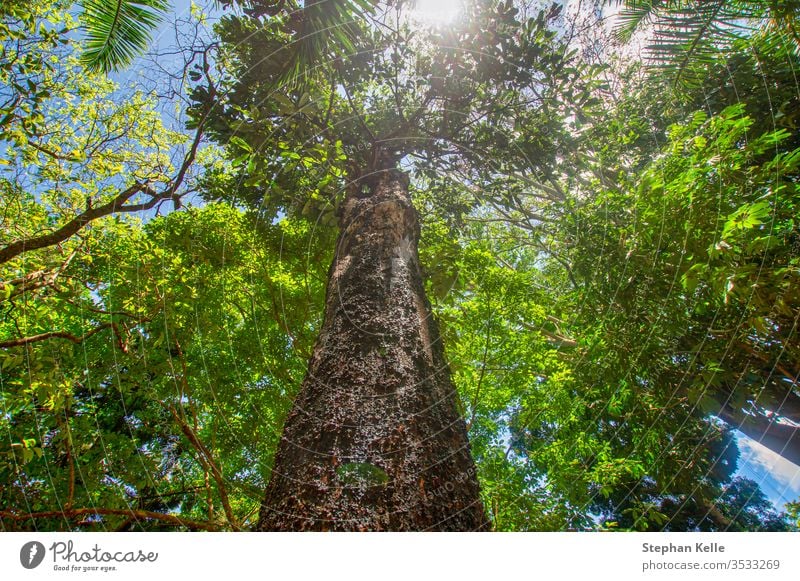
614 273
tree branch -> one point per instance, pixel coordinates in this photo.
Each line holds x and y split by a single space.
131 513
207 460
73 226
117 205
37 279
53 334
355 110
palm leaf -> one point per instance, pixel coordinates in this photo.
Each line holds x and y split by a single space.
328 28
686 40
117 30
687 35
638 14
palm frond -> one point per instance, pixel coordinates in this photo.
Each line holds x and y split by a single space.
117 30
327 29
633 18
685 40
639 13
784 21
687 35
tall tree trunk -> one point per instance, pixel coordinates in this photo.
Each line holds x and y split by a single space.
375 441
782 439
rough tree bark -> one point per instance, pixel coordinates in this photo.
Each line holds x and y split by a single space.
375 440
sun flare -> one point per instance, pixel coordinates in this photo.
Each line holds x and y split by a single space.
436 12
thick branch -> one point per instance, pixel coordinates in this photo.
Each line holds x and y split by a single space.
207 459
117 205
51 335
714 513
73 226
355 111
487 343
134 514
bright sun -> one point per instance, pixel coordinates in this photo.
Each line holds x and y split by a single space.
436 11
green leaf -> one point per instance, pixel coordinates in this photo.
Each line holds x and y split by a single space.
117 30
241 143
747 217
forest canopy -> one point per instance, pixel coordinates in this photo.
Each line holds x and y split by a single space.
604 196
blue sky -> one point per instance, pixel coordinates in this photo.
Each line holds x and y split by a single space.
779 478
